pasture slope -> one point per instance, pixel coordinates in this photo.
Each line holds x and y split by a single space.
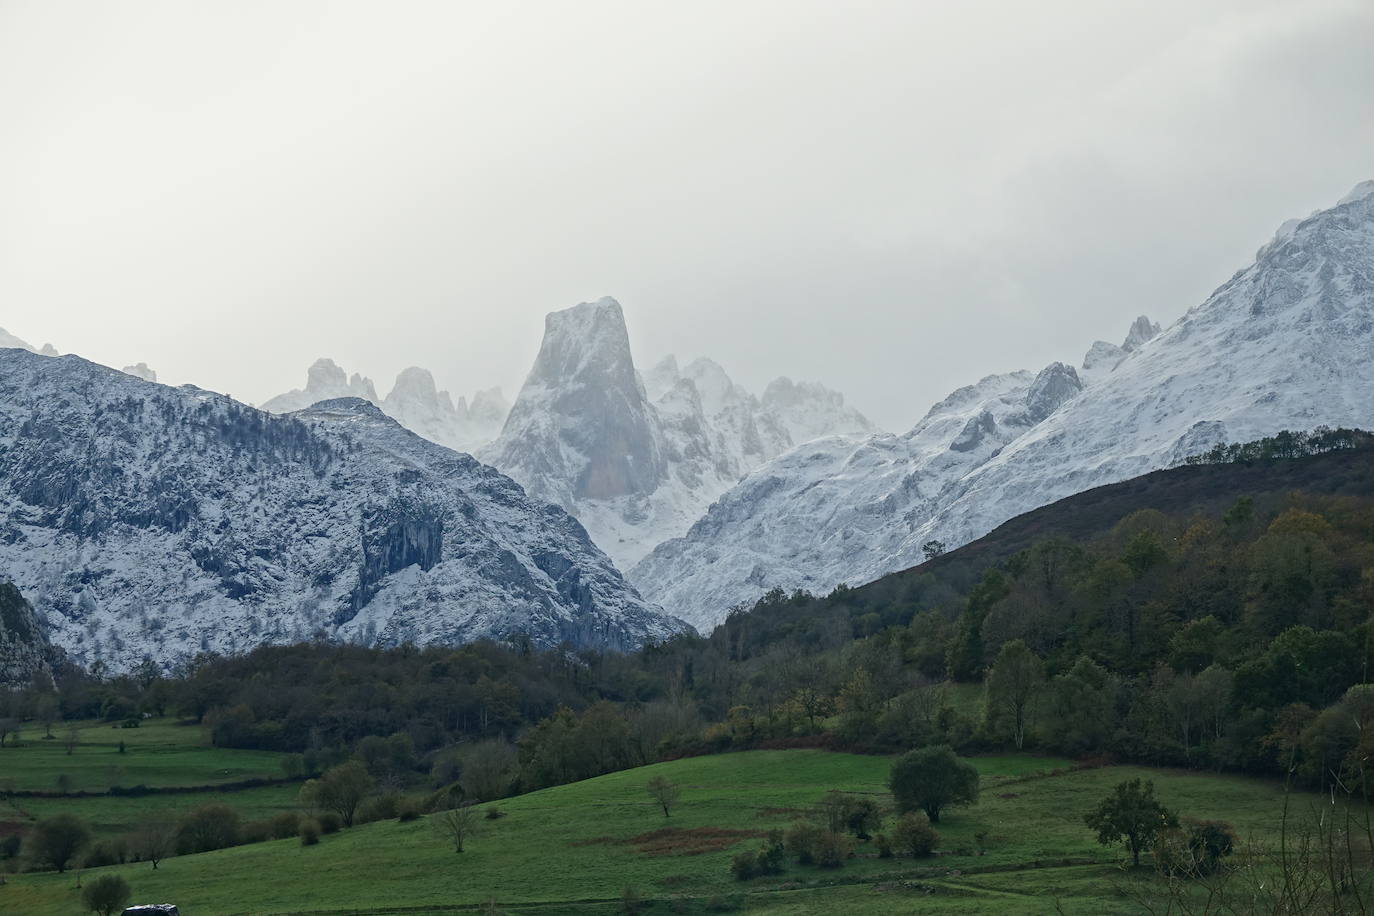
577 848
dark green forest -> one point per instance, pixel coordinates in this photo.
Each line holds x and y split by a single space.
1216 615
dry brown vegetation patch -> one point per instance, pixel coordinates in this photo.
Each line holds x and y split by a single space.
678 841
690 841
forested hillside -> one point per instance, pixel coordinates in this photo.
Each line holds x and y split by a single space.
1213 615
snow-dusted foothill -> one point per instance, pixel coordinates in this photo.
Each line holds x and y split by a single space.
147 521
1287 343
637 459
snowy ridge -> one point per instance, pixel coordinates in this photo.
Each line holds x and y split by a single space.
9 341
142 371
638 459
142 520
1286 343
415 402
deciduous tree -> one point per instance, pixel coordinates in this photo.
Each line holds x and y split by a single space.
932 779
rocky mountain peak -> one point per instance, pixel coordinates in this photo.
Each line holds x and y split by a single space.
809 410
1142 331
582 426
1055 384
9 340
588 341
662 377
142 371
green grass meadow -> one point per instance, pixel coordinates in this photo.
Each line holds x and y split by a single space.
159 755
576 848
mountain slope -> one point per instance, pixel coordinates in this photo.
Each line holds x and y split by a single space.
146 520
638 459
1285 344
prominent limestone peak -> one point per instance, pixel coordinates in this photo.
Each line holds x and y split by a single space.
583 427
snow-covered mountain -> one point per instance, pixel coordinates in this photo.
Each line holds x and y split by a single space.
143 520
1287 343
9 341
324 381
415 402
637 459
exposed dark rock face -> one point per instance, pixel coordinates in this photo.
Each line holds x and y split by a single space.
1055 384
24 650
394 537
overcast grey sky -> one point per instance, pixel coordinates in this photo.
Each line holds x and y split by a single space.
893 198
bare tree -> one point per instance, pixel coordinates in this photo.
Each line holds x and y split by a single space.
46 711
457 825
153 840
664 792
341 789
488 767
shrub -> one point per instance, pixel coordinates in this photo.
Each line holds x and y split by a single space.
766 860
744 865
913 835
254 832
106 895
1173 855
112 851
772 854
802 840
1211 842
340 790
410 808
293 766
209 827
833 849
329 822
377 808
286 824
494 813
309 831
864 817
1193 850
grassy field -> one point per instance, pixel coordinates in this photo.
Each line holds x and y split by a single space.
575 848
158 754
